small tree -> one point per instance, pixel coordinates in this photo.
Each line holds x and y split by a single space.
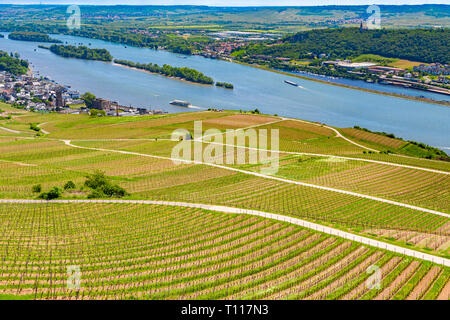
102 187
34 126
36 188
96 180
69 185
88 99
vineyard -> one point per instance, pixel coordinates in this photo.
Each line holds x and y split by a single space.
133 250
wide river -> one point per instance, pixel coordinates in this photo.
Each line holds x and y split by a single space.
254 88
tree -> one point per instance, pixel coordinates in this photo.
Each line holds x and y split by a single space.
88 99
95 180
69 185
102 187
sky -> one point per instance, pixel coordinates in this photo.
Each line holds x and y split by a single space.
229 2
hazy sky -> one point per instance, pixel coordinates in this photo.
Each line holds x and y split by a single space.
231 2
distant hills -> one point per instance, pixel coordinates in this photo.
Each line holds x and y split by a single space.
256 18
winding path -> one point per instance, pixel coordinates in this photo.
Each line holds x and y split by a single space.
338 134
10 130
278 217
42 130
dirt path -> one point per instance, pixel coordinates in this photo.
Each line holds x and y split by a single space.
42 130
338 134
10 130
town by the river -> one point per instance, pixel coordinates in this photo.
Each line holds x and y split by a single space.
253 88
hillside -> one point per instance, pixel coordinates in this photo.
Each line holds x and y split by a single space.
416 45
274 19
207 229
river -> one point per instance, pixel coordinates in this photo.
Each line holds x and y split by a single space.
254 88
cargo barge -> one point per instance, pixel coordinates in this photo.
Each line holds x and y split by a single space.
291 83
180 103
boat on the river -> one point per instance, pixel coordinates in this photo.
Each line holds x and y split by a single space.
291 83
180 103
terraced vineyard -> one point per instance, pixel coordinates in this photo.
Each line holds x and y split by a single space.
164 252
154 251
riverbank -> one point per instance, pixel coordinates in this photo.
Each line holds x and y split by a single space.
391 94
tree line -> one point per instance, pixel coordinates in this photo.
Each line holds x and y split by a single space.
31 36
167 70
81 52
225 85
12 63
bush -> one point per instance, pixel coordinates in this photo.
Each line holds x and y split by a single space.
96 194
54 193
96 180
114 190
97 113
102 187
34 127
36 188
69 185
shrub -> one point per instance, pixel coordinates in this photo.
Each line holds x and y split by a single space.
102 187
96 180
34 127
69 185
97 113
54 193
36 188
96 194
114 190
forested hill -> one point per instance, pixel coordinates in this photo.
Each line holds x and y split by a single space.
424 45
